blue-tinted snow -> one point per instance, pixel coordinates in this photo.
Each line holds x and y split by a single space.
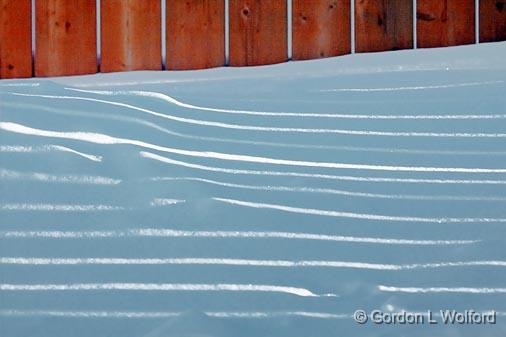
266 201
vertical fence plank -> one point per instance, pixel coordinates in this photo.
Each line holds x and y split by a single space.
383 25
65 37
442 23
258 32
492 20
130 35
15 38
195 34
321 28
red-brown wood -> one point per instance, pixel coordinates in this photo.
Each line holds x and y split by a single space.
442 23
65 37
195 34
15 38
383 25
130 35
321 28
258 31
492 20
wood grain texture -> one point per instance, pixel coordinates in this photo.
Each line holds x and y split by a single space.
65 37
442 23
195 34
492 20
15 38
383 25
320 28
258 30
130 35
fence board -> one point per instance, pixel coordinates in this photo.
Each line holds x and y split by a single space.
15 38
321 28
492 20
258 31
383 25
65 37
130 35
442 23
195 34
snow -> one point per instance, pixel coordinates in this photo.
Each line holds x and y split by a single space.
261 201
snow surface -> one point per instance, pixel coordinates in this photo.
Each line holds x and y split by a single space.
262 201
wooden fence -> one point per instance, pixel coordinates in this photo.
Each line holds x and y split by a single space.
195 32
